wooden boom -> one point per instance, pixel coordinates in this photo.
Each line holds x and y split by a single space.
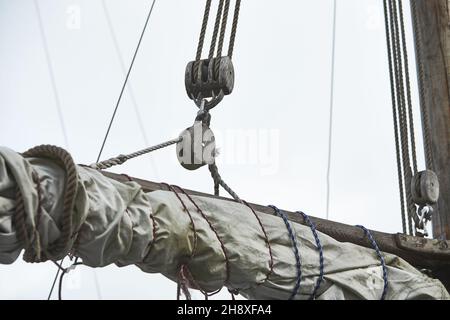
433 255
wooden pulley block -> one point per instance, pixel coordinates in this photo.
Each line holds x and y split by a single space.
425 188
197 147
205 82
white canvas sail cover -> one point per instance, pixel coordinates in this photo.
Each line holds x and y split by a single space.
114 222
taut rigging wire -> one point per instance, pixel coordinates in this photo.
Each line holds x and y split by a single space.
125 82
129 87
330 129
57 103
103 145
51 73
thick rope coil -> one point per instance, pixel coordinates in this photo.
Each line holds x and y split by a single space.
64 243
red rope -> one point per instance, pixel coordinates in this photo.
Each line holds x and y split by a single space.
266 238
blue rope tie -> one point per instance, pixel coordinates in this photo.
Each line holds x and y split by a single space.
319 248
296 253
383 262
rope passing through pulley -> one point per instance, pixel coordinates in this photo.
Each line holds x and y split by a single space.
207 82
213 78
418 190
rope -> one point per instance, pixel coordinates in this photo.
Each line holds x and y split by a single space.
125 82
51 74
185 209
266 238
219 181
61 278
330 129
408 88
130 90
380 256
64 242
216 30
121 159
202 37
31 240
394 113
320 249
222 245
203 31
296 253
407 174
223 28
221 38
421 79
220 24
55 93
183 281
234 28
402 106
55 278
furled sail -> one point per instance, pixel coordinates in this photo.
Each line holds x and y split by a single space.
51 207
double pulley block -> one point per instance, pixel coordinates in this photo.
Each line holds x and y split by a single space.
209 79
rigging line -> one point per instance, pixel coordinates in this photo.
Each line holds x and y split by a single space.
59 268
216 29
421 79
330 129
129 87
57 103
97 285
126 81
223 28
201 39
234 28
407 172
51 73
122 158
408 87
203 30
394 113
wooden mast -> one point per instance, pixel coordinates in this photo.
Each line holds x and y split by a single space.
432 36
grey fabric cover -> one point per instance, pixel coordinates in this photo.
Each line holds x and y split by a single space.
121 224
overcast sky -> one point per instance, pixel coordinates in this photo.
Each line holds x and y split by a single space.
279 110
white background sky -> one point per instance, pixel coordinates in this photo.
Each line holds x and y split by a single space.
283 65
